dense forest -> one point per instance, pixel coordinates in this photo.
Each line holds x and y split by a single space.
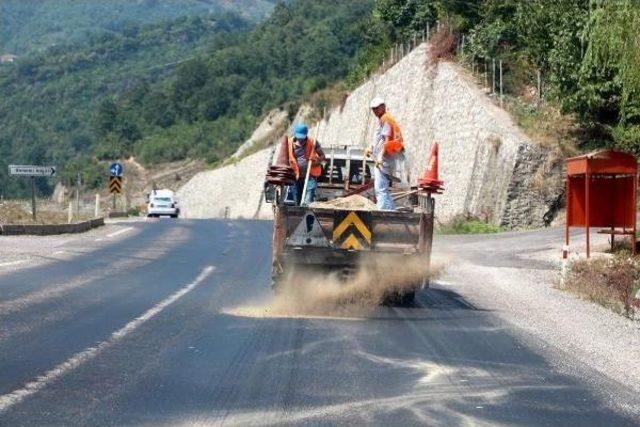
195 87
213 102
587 52
27 25
50 100
81 104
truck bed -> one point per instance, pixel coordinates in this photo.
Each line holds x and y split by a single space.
395 232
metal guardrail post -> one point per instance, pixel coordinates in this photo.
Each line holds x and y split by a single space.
33 198
493 76
501 88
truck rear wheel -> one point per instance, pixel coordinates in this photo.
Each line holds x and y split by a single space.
396 299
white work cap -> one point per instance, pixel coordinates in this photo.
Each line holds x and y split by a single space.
376 102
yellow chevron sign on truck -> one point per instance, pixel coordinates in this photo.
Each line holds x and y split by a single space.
352 230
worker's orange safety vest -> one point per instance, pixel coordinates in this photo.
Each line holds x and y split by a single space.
395 143
316 170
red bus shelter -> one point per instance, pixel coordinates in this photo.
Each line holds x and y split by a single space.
601 192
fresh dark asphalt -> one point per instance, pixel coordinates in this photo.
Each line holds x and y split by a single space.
442 362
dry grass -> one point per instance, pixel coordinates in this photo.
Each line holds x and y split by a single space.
612 283
328 98
444 42
546 125
18 213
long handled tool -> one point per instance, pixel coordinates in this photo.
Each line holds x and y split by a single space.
306 179
402 194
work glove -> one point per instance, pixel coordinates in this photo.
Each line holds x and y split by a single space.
368 152
379 162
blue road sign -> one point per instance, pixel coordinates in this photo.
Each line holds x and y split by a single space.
116 169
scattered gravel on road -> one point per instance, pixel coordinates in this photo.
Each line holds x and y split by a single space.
492 273
19 252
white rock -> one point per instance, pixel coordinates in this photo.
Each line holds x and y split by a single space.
238 187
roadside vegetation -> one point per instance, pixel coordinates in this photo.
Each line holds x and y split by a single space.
17 212
586 52
466 224
611 282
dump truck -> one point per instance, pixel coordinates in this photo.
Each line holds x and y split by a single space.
338 238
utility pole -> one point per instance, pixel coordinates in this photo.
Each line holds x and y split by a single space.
501 91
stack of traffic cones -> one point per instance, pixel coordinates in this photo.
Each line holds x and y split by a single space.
280 172
429 180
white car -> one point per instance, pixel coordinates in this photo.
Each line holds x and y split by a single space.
163 203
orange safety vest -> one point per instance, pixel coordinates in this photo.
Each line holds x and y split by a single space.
316 170
395 143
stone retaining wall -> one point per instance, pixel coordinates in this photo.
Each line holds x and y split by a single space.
488 164
486 161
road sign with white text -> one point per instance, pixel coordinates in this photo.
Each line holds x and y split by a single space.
30 170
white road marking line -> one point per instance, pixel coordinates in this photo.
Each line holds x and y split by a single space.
99 240
9 264
116 233
9 400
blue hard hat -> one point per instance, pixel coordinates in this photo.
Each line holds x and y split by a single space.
301 131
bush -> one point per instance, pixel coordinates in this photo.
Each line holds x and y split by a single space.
134 211
612 283
466 224
444 43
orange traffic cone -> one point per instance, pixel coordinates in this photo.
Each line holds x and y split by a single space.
280 172
283 159
429 180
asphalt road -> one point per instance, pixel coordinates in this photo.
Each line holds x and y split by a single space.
135 332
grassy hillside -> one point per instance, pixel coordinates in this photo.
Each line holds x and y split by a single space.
27 25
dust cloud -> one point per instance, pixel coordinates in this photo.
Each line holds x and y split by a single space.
331 294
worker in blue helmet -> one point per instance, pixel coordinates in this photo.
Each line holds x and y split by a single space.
304 153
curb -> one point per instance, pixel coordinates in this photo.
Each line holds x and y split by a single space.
50 229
